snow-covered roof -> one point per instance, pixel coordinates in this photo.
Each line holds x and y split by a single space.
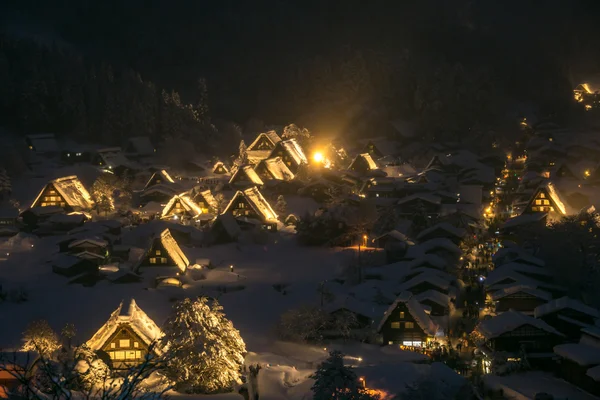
515 254
367 309
367 157
415 309
594 373
44 142
251 176
428 259
133 317
592 331
141 145
555 197
500 274
434 279
271 136
582 354
219 164
427 197
435 296
259 204
521 289
452 230
72 190
394 234
255 156
168 190
162 175
230 225
277 168
113 157
436 243
508 322
523 219
186 202
294 150
208 198
524 269
64 261
173 249
565 303
95 241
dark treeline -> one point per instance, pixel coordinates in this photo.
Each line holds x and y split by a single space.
451 66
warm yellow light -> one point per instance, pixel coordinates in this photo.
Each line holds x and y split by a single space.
587 173
365 237
318 157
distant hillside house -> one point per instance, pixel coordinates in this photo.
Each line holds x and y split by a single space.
291 153
265 141
70 265
519 298
140 146
245 176
547 199
67 192
43 143
251 204
161 177
406 323
181 207
110 158
206 201
273 169
219 168
362 164
165 252
126 337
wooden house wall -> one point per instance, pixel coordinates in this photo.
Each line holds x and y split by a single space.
51 197
280 151
436 309
394 329
541 203
204 205
360 166
178 209
157 256
519 302
220 170
533 339
241 208
125 348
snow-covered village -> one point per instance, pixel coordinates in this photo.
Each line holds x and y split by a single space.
209 238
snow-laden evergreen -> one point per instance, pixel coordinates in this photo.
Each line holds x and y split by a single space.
40 337
205 351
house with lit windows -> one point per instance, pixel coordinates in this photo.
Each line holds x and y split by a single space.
407 324
250 205
164 257
160 177
273 169
245 176
219 168
181 207
127 337
547 199
206 201
291 153
67 193
265 141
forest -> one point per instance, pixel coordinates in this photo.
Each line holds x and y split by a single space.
147 67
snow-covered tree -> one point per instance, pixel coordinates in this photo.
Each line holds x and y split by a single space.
91 370
303 324
281 206
40 337
109 192
335 381
221 202
68 332
343 322
242 154
206 351
5 185
302 135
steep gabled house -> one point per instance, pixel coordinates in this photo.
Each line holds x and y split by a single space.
265 141
438 302
70 265
43 143
406 323
362 164
273 169
291 153
126 337
567 316
441 247
250 204
442 230
160 177
512 333
245 176
181 207
219 168
546 199
348 308
206 201
507 255
140 146
67 192
94 249
109 158
519 298
540 274
164 252
424 282
419 203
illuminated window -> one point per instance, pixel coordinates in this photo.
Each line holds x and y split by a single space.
240 205
124 343
552 209
538 202
119 355
395 325
546 202
130 355
136 344
113 345
158 252
542 196
401 314
409 325
153 259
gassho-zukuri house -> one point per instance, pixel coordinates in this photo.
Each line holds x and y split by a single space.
250 205
126 337
67 193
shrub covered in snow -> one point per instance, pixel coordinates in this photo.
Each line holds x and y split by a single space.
206 352
40 337
304 324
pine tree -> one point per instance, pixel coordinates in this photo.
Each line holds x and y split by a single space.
281 206
335 381
206 351
40 337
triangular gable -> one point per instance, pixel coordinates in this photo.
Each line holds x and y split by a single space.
186 206
135 319
256 200
265 141
220 168
159 178
546 199
435 162
208 199
364 158
290 150
170 245
72 191
372 149
246 175
415 309
274 168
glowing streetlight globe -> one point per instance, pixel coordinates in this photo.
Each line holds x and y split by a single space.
318 157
